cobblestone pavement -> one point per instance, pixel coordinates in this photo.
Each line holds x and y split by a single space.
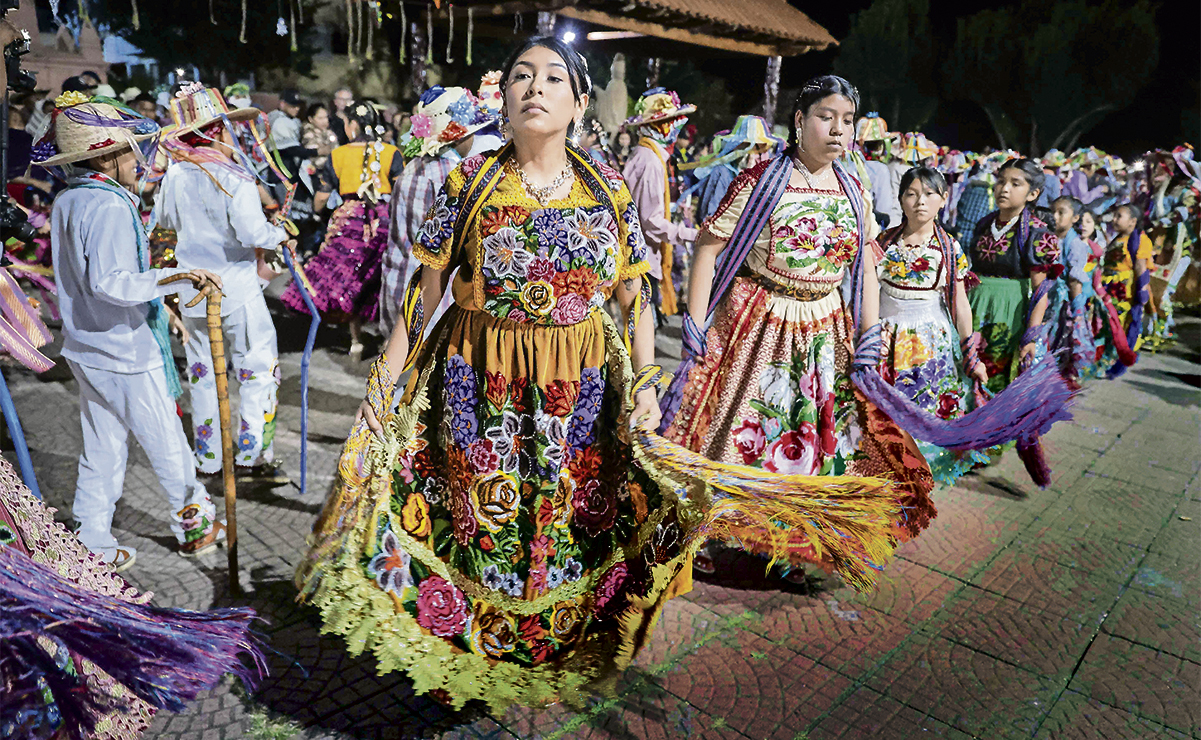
1065 613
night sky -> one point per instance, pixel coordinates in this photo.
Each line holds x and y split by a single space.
1155 119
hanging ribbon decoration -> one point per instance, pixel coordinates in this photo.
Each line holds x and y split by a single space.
242 37
470 31
373 8
137 22
212 14
429 34
350 43
292 15
450 35
404 32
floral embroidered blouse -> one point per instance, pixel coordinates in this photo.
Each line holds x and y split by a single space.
549 266
913 271
811 236
994 256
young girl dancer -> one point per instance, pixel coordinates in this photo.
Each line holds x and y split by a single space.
924 315
1071 297
1013 253
1103 318
1124 271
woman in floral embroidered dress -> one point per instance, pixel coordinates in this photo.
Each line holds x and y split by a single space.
498 542
1012 253
771 388
922 355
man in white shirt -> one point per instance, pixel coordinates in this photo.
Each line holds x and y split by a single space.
114 332
215 211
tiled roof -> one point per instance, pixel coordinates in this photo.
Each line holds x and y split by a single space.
774 18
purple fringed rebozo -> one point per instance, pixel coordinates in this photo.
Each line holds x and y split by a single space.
1025 409
164 656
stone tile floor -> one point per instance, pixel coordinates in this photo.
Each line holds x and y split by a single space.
1072 612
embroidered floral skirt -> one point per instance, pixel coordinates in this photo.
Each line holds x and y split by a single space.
29 527
999 314
346 272
773 391
922 358
501 544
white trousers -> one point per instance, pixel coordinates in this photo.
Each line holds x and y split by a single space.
111 406
250 348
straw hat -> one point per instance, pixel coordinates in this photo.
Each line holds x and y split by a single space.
196 106
82 127
445 116
656 105
728 146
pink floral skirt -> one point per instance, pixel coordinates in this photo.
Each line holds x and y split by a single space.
773 391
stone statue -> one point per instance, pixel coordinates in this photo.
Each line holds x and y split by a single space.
612 102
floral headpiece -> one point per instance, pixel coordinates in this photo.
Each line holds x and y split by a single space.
657 105
444 116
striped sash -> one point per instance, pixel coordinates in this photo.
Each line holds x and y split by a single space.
764 198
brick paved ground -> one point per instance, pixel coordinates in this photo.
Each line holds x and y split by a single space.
1065 613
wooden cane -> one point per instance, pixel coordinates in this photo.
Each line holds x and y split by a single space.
217 345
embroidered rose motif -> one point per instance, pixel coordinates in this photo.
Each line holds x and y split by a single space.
793 453
483 460
441 608
570 309
825 421
581 280
594 509
538 297
493 633
565 621
496 500
948 404
750 440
